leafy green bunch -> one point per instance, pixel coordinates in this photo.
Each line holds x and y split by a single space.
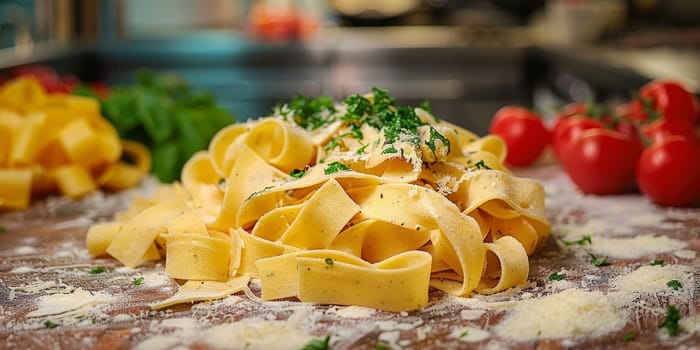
167 116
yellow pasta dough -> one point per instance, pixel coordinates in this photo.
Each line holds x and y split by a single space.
64 142
354 203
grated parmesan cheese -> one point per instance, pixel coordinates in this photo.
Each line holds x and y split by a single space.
652 279
570 313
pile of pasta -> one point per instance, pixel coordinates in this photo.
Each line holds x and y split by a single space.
54 143
339 213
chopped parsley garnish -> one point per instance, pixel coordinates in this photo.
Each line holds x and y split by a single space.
138 281
464 334
2 229
674 284
398 123
297 173
362 150
50 324
335 142
329 262
318 344
379 111
670 321
629 337
381 346
435 135
97 270
657 262
555 277
390 150
599 261
309 114
335 167
482 165
585 239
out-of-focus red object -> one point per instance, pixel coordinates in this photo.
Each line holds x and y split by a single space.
281 21
53 82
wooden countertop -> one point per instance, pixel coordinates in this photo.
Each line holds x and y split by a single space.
50 299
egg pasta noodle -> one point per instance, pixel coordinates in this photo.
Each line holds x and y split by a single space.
353 203
54 143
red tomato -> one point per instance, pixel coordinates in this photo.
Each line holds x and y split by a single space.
602 161
664 99
590 109
569 129
669 172
663 128
523 131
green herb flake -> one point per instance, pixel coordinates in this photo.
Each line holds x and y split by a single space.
670 321
2 229
599 261
425 105
334 143
335 167
390 150
318 344
308 113
362 150
657 262
463 334
586 239
482 165
267 188
555 277
674 284
98 270
329 262
138 281
437 136
629 337
50 324
381 346
297 173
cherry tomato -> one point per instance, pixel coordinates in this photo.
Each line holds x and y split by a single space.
664 99
523 131
663 128
569 129
589 109
602 161
669 172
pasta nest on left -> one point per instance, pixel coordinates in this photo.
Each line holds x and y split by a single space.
55 143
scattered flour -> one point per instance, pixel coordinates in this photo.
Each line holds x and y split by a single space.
245 334
635 247
469 334
690 324
22 269
686 254
73 307
353 311
471 314
25 250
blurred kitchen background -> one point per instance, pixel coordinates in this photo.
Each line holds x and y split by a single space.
467 58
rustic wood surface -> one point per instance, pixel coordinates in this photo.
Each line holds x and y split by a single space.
42 252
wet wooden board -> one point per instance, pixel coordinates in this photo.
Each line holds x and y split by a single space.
42 253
